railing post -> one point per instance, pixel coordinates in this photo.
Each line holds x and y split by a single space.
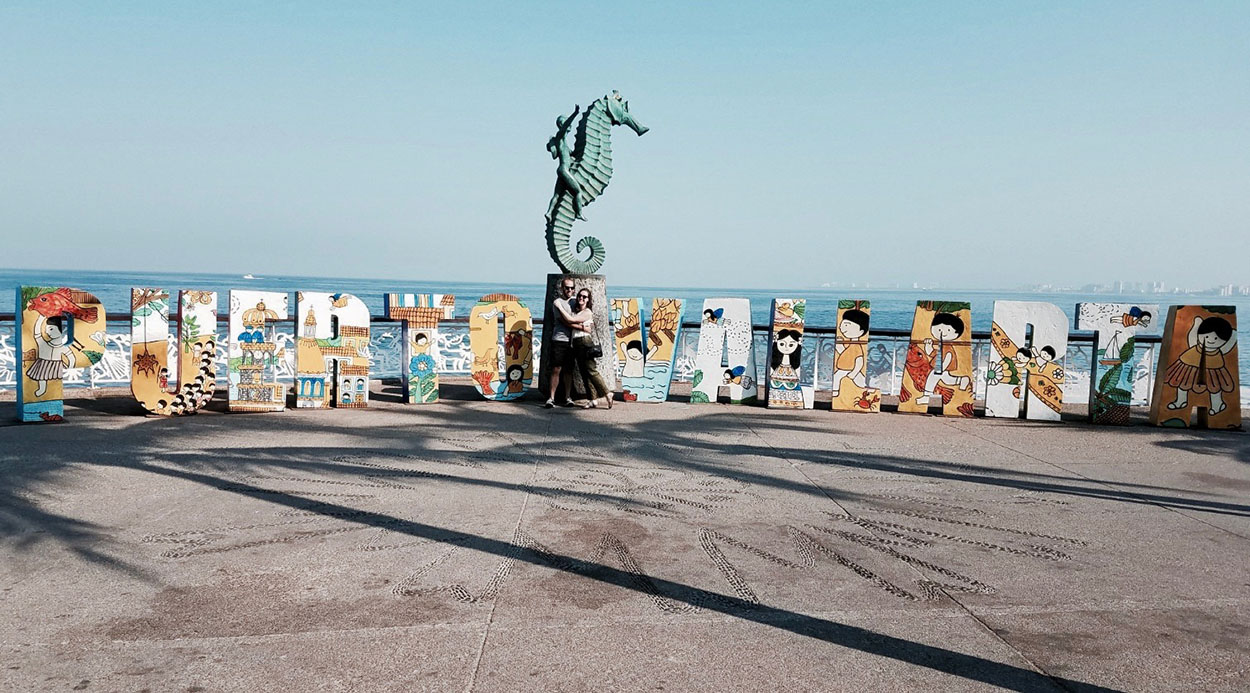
1150 374
893 364
816 365
1093 359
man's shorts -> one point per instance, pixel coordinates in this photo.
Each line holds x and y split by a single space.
561 353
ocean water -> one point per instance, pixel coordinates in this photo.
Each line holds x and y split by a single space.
655 386
891 308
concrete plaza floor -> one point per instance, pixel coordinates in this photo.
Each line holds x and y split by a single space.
474 545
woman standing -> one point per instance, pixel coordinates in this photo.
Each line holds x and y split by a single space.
583 343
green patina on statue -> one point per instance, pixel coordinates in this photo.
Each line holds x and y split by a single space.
581 177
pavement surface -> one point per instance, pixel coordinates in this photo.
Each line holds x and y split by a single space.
473 545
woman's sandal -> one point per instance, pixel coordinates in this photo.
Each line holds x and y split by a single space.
590 405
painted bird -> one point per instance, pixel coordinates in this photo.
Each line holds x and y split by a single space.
60 302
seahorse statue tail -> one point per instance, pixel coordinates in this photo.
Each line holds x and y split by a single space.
559 243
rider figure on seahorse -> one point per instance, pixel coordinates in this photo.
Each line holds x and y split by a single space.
582 174
559 150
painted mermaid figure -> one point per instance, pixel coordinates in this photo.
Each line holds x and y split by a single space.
1202 367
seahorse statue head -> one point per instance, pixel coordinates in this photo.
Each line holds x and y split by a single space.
618 111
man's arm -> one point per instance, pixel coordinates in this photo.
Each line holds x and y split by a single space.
562 311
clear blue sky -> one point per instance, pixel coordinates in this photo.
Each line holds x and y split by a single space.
973 144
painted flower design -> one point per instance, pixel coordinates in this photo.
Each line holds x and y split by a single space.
1058 374
422 364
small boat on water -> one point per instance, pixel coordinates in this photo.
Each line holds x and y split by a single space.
248 276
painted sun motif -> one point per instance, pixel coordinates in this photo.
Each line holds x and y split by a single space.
146 363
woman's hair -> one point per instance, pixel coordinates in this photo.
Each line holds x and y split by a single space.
633 344
1219 326
858 317
798 350
514 368
1049 351
590 301
949 320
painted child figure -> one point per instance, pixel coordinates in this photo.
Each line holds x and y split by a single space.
1044 356
514 379
52 353
635 360
1202 367
851 358
1136 317
738 376
783 380
1011 371
946 329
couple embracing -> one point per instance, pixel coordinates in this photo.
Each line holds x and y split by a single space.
573 345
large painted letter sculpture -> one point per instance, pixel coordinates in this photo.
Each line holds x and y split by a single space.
253 356
646 354
518 346
1030 374
850 361
57 329
1198 362
785 356
939 360
331 351
726 325
196 348
420 314
1111 371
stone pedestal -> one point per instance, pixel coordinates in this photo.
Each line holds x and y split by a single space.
598 286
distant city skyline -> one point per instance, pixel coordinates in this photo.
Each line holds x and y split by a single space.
1125 288
955 144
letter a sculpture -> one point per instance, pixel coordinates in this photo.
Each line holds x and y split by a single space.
581 178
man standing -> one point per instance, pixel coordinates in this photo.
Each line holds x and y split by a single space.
561 336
